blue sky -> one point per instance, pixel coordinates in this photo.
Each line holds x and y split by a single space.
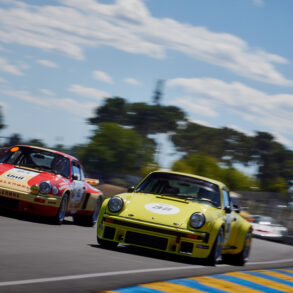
225 63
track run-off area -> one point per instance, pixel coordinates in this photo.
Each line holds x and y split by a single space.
36 256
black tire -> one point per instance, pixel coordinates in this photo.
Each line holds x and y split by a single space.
241 258
215 254
78 220
107 244
61 213
89 221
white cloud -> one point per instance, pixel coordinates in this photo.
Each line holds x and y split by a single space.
283 140
237 128
261 110
102 76
47 63
128 25
200 107
66 104
131 81
8 68
91 93
47 92
201 122
259 3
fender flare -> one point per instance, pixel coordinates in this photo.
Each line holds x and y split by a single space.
214 231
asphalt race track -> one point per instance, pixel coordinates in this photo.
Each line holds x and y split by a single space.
36 256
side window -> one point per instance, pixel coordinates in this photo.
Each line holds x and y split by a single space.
226 198
76 171
82 177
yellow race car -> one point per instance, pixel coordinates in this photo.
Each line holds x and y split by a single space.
177 213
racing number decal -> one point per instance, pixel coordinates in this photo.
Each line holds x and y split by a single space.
163 209
78 185
77 191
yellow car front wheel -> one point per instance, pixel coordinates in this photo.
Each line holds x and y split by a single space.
216 252
241 258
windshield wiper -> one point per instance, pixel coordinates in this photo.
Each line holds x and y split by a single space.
181 196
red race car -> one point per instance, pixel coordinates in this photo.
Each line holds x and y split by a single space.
45 182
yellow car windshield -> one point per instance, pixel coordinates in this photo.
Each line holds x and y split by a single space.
181 186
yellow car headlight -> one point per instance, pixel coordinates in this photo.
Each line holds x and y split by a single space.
115 204
197 220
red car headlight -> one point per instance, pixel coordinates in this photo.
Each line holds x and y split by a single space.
45 187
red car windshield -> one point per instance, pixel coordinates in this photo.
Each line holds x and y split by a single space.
37 159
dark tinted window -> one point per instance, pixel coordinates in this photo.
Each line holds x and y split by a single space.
38 159
181 186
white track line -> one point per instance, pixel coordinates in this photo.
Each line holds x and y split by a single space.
98 275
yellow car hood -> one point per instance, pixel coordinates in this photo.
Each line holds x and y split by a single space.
163 210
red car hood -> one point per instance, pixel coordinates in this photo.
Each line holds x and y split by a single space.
21 179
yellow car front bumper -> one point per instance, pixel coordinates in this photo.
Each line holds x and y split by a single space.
154 236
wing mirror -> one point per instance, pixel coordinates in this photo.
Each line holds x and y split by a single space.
236 208
74 177
130 188
227 209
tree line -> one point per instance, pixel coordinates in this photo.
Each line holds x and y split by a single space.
121 143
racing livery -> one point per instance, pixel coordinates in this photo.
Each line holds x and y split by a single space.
45 182
177 213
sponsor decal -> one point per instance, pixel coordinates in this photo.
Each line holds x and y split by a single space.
63 185
13 183
15 177
8 193
20 174
24 172
161 208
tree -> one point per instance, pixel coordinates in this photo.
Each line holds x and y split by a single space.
207 166
115 150
230 146
14 139
278 185
199 164
113 110
236 180
36 142
144 118
225 144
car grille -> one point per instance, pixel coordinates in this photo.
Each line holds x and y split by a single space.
109 232
186 247
155 229
8 203
146 240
